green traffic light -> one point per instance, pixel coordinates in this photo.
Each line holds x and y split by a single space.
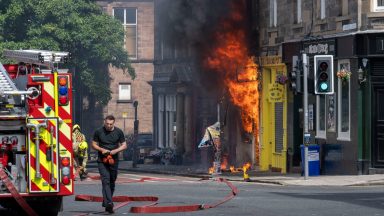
323 86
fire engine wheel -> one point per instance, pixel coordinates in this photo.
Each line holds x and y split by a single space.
43 206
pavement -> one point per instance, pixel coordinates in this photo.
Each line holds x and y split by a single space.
256 176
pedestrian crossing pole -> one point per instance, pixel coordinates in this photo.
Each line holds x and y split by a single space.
306 136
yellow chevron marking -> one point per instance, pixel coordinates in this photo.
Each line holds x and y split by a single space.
49 114
49 88
45 136
41 183
65 129
67 108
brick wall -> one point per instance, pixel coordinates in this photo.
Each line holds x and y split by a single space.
141 90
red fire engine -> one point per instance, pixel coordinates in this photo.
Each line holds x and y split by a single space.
36 157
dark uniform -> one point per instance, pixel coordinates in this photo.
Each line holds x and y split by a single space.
108 140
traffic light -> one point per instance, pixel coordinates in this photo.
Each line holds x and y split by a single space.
294 75
323 74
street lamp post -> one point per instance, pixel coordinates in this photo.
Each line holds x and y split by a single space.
135 135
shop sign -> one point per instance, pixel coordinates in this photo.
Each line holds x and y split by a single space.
320 48
270 60
275 93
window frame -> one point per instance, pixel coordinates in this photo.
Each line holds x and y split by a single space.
322 9
345 136
166 110
122 99
299 18
376 7
273 13
125 24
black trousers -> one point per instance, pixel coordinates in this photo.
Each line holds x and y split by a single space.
108 175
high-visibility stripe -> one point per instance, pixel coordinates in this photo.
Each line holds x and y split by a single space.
56 93
65 111
42 184
43 157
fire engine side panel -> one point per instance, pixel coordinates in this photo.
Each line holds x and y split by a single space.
47 106
43 169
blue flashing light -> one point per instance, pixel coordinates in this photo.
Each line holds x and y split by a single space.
63 90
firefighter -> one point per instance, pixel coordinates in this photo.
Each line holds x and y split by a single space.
80 151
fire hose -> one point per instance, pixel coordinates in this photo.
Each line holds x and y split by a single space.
19 199
153 207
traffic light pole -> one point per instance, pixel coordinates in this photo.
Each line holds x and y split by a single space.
305 91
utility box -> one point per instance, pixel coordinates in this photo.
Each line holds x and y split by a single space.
313 159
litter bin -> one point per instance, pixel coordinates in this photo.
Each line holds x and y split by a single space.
313 160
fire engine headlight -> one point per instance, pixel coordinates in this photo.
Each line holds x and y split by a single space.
65 171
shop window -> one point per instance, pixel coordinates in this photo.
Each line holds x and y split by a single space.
320 117
344 104
125 93
128 17
166 121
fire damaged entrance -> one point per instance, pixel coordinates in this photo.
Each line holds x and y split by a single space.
273 135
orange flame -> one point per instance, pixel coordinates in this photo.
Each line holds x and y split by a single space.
229 57
210 170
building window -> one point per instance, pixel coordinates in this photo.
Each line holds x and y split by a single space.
321 119
166 121
343 111
322 9
297 9
128 17
378 5
273 13
125 93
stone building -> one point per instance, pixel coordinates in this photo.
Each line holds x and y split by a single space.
348 124
137 18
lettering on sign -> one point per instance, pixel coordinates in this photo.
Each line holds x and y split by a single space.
275 93
270 60
318 49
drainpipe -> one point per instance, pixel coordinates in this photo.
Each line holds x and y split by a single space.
360 131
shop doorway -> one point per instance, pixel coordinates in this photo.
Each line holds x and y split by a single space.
378 125
273 133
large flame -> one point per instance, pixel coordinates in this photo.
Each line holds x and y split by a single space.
229 57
